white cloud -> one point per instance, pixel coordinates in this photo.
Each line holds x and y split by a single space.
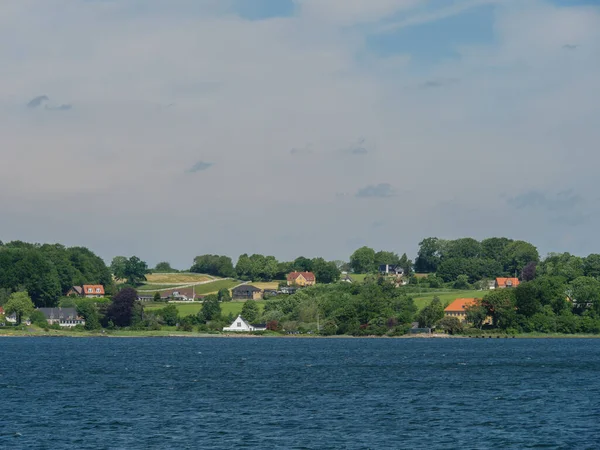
516 118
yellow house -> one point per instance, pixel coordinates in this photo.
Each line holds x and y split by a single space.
301 279
458 309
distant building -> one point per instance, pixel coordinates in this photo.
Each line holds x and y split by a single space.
87 290
458 308
65 317
288 290
301 279
502 283
390 269
241 324
246 292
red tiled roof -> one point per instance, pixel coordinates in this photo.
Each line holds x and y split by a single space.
308 276
502 281
93 287
460 304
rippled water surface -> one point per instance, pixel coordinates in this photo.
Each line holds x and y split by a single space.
96 393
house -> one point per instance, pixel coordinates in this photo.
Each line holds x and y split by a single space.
287 290
502 283
11 318
87 290
240 324
415 329
301 279
458 309
391 269
65 317
491 284
246 292
181 294
347 279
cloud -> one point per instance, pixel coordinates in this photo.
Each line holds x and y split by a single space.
561 201
59 108
570 46
358 148
306 150
37 101
200 166
437 83
381 190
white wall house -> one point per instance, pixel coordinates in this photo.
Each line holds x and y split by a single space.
240 324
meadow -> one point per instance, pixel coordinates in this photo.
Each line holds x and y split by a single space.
178 278
186 309
446 296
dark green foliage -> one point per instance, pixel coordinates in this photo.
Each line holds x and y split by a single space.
451 325
250 311
363 260
224 295
429 255
211 309
164 267
89 311
431 313
325 272
38 318
302 264
169 315
216 265
157 297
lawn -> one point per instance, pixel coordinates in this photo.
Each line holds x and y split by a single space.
446 297
177 278
360 277
186 309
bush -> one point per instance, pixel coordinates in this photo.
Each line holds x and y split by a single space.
38 318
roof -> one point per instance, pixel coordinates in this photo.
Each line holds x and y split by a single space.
59 313
93 287
246 288
188 292
77 289
514 282
308 276
460 304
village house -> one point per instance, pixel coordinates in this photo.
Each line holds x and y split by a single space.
87 290
246 292
458 309
301 279
390 269
241 324
11 318
65 317
502 283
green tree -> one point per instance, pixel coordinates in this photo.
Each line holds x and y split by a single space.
302 264
452 325
250 311
118 267
476 314
157 297
429 255
211 309
325 272
89 312
363 260
585 290
591 266
406 264
493 248
164 267
431 313
224 295
20 304
38 318
217 265
384 257
517 255
463 248
462 282
500 306
170 315
135 271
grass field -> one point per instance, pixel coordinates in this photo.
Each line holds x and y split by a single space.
203 289
445 297
185 309
177 278
266 284
158 287
360 277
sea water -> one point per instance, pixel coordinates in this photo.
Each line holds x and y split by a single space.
223 393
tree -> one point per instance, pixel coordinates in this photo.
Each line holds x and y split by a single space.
431 314
211 309
224 295
217 265
20 304
528 273
428 257
38 318
591 266
585 290
164 267
363 260
500 306
462 282
452 325
383 257
302 264
90 313
517 255
527 299
325 272
476 314
170 315
121 310
250 311
406 264
135 271
157 297
493 248
463 248
117 267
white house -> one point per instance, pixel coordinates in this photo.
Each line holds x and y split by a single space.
240 324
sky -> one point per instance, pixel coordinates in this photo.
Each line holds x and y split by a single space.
170 129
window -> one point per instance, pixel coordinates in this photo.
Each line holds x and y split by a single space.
89 289
239 324
97 289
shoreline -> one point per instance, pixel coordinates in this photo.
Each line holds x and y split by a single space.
150 334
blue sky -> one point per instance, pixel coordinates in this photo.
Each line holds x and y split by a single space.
172 129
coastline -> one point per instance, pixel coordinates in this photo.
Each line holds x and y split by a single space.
171 334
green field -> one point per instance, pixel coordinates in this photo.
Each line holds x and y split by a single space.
186 309
360 277
177 278
445 297
158 287
207 288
